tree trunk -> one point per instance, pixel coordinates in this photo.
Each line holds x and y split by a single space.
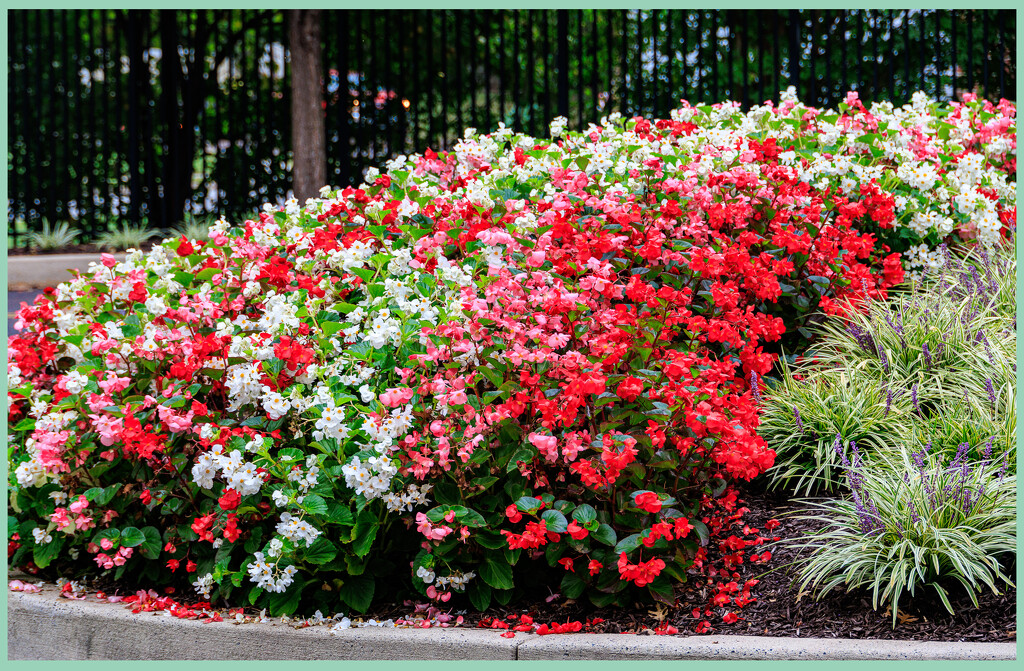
309 150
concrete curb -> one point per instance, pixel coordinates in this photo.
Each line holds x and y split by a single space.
77 630
48 270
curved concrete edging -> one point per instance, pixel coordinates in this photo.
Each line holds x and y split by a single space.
41 626
48 270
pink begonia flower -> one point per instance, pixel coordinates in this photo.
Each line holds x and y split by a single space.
81 504
174 422
430 531
118 560
106 543
109 428
108 260
98 402
393 398
113 383
546 445
83 522
457 398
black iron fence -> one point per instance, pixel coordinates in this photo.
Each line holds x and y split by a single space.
146 115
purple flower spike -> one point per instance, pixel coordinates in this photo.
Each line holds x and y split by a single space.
927 357
913 396
753 386
991 391
796 415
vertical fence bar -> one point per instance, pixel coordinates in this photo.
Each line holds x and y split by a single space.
938 56
874 54
546 27
987 49
1002 59
669 89
812 80
952 37
580 77
761 47
906 54
624 67
713 40
593 66
638 84
775 52
970 50
745 55
891 55
563 63
794 50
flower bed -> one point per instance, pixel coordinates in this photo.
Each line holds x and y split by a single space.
519 364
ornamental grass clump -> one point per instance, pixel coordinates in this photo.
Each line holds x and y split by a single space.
518 364
916 521
935 363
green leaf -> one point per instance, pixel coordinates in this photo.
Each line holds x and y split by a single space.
605 534
528 505
321 552
150 548
330 328
364 534
573 585
340 514
102 497
661 589
132 537
42 555
357 593
628 544
497 574
555 520
479 595
287 602
584 513
314 504
701 530
483 482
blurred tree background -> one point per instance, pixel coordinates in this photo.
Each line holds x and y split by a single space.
154 115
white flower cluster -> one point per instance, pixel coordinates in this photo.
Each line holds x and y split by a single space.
371 478
296 530
276 405
243 384
240 474
278 314
305 480
332 424
203 585
457 581
31 473
268 576
41 536
413 496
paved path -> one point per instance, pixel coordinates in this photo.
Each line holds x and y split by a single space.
14 301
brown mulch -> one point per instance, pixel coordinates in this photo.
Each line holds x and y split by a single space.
777 612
